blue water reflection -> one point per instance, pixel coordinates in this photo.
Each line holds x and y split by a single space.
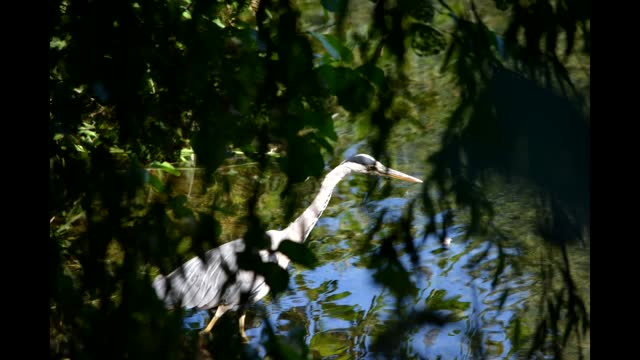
341 308
196 319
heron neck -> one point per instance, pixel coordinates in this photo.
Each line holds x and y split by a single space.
299 229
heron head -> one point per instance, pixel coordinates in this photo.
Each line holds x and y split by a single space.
366 164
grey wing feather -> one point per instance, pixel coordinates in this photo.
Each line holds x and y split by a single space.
199 285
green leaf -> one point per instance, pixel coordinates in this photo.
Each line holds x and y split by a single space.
325 59
156 183
185 155
218 22
165 166
328 74
437 301
354 92
340 296
373 73
332 344
184 246
321 121
337 311
298 253
324 143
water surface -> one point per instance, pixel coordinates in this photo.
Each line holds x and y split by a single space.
340 308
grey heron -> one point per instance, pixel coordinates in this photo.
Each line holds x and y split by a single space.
201 285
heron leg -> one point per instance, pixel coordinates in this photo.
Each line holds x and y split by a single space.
241 324
219 312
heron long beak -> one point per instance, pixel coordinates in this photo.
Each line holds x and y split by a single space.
400 175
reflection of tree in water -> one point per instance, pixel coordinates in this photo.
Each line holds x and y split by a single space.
337 324
349 342
332 328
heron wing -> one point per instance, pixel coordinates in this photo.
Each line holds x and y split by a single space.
199 284
204 285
